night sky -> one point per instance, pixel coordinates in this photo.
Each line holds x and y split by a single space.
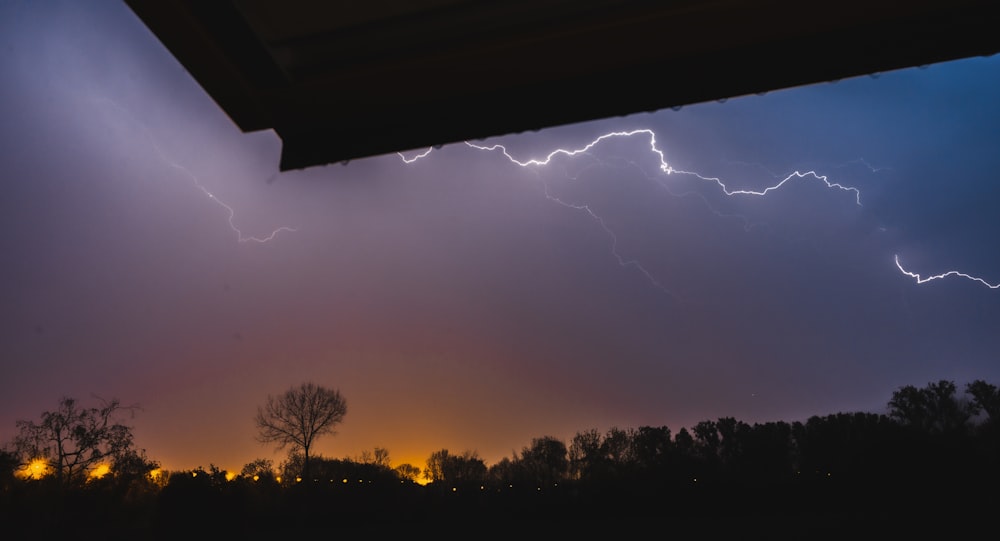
152 252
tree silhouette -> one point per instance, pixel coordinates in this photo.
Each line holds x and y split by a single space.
408 472
934 454
985 399
545 463
74 439
933 409
261 468
585 454
849 445
652 446
446 468
299 416
379 457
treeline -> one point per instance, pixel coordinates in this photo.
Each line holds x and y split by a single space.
935 452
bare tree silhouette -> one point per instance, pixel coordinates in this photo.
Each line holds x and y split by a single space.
299 416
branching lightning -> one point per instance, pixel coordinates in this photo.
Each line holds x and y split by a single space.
423 154
923 280
614 239
230 212
664 168
240 237
667 169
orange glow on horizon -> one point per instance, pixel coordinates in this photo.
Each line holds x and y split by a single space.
99 471
419 478
36 469
156 474
231 475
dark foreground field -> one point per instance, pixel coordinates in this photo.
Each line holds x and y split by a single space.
820 509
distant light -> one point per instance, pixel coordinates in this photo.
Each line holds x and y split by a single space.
345 480
36 469
230 475
454 489
99 471
256 478
194 474
155 474
298 479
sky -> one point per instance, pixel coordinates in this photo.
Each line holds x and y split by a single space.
659 271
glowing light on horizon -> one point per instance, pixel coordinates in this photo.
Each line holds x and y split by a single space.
923 280
99 471
36 469
231 213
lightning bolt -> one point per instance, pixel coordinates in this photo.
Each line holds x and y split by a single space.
922 280
420 156
230 212
614 239
664 168
668 169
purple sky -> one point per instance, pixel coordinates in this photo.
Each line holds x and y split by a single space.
463 301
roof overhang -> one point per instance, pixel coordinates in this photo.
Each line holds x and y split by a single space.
345 80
